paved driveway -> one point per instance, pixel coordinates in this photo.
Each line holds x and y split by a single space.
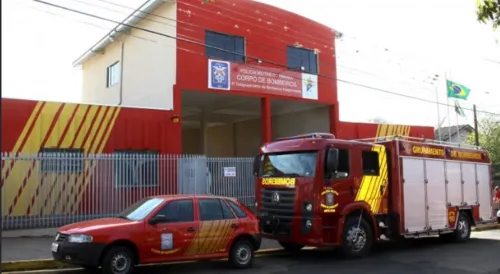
480 255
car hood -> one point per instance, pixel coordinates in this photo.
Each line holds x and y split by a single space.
95 225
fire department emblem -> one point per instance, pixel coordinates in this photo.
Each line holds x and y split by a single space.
309 84
219 74
276 197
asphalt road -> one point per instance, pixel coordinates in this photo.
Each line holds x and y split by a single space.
479 256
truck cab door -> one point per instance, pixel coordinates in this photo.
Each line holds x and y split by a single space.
340 186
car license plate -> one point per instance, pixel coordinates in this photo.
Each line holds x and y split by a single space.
55 247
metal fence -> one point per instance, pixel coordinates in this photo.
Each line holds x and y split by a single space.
51 189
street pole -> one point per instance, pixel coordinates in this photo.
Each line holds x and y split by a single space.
476 130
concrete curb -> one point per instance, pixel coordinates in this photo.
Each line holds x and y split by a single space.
486 227
45 264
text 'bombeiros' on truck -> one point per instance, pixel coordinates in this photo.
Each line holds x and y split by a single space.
315 190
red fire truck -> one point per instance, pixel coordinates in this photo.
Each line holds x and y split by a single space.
319 191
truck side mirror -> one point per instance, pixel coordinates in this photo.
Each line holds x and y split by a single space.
256 165
332 160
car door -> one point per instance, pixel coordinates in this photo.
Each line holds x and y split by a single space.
218 224
171 240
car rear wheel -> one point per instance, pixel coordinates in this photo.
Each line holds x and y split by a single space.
118 260
241 254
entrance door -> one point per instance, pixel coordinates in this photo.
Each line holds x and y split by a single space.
172 240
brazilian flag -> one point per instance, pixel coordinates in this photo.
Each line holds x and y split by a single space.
456 90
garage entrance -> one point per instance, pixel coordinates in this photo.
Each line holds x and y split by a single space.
292 117
232 124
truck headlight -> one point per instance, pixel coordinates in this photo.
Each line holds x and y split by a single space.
308 207
80 238
308 224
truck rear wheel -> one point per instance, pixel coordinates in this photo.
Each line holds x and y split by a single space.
291 246
357 238
463 230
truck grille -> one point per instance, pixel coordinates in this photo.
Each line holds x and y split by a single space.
280 212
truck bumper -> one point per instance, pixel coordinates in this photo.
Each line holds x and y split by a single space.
306 231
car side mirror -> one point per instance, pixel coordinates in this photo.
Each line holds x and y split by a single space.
256 165
158 219
332 160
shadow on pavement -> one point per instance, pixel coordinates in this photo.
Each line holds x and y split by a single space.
415 256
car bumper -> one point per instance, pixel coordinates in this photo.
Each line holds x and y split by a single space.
84 254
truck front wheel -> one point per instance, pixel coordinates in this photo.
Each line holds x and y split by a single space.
357 238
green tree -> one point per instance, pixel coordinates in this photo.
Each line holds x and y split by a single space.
489 138
488 11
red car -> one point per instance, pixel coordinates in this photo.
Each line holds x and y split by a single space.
162 229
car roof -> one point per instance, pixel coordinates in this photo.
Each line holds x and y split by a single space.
194 196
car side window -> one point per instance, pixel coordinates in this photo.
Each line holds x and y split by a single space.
178 211
239 212
228 214
210 210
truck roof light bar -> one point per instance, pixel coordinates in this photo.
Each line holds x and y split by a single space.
316 135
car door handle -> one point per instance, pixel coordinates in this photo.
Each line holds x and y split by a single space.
191 229
234 226
352 190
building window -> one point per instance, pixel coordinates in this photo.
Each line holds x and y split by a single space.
135 168
61 160
301 59
113 74
227 42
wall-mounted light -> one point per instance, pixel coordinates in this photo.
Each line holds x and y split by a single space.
175 119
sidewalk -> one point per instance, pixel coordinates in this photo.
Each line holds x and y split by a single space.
23 245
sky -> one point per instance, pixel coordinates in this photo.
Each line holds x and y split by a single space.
393 46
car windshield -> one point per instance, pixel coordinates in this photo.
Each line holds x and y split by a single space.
141 209
296 164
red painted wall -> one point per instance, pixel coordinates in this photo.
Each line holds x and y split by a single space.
348 130
28 126
263 27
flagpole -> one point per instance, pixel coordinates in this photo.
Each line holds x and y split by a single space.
436 89
448 107
456 115
458 127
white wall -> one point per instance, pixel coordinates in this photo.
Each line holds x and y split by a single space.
149 62
243 139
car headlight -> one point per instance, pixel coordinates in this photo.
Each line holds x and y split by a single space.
80 238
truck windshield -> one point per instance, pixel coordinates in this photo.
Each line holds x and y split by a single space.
296 164
141 209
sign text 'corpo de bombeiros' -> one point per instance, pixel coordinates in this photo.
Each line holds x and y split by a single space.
260 79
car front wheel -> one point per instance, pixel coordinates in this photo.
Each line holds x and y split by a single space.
118 260
241 254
